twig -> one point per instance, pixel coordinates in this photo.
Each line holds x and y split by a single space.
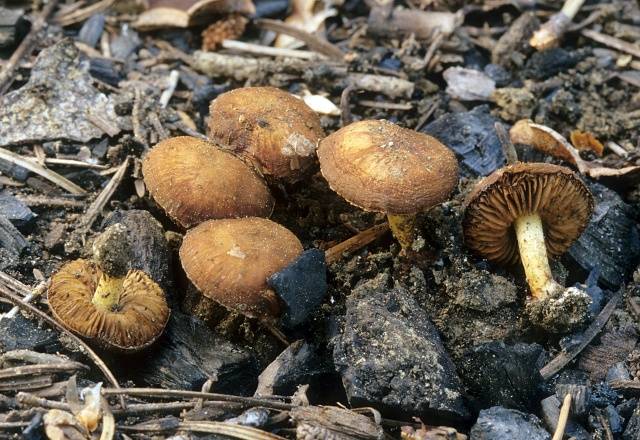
560 361
16 300
74 163
98 204
425 117
617 149
614 42
138 133
108 127
259 49
345 112
158 392
38 369
507 146
174 77
52 176
55 202
25 47
606 424
385 105
28 383
221 428
356 242
320 45
79 15
562 419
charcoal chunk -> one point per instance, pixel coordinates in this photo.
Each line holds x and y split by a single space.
390 356
15 211
56 101
550 62
188 354
632 432
20 333
148 248
499 423
472 136
503 375
91 30
298 364
12 243
611 241
302 285
550 414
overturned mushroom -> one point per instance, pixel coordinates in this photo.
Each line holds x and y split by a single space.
123 313
379 166
276 131
194 181
229 261
528 211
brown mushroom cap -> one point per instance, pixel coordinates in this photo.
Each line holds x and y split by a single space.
194 181
141 316
380 166
278 132
559 197
229 261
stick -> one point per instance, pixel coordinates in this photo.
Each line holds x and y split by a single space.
174 76
98 204
221 428
560 361
315 43
358 241
614 42
562 419
158 392
507 146
259 49
25 47
35 167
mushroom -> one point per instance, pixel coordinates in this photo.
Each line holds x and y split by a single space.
229 260
273 129
124 313
379 166
194 181
528 211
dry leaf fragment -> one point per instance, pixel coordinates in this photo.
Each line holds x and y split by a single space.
61 425
584 140
308 15
162 14
544 139
551 142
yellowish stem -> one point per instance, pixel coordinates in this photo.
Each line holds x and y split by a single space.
533 254
403 228
107 294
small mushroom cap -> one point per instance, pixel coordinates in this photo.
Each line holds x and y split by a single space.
194 181
229 261
278 132
380 166
141 316
559 197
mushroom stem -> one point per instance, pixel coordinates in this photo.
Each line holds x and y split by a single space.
403 228
533 254
108 290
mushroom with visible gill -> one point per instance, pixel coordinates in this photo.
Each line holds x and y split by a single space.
118 309
194 181
273 129
379 166
229 261
527 211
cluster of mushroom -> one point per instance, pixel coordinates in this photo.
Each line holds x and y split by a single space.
218 192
